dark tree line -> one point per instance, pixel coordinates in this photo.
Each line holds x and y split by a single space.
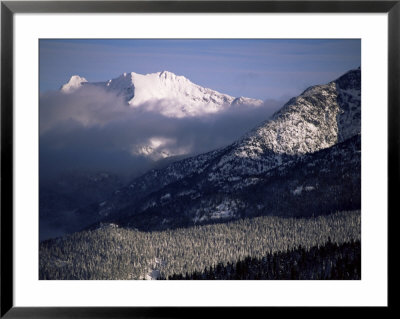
328 262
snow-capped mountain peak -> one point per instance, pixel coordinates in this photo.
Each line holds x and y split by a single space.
74 83
175 95
166 93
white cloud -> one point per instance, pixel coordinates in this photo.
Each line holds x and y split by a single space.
94 128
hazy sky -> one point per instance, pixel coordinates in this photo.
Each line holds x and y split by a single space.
264 69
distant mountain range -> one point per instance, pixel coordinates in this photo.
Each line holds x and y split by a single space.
165 92
304 161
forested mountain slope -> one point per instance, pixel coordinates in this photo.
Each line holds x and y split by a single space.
111 252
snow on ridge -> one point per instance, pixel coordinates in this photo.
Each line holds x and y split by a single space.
246 101
322 116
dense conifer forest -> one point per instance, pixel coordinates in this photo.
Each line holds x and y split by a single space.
327 262
268 247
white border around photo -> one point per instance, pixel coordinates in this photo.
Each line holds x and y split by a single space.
371 290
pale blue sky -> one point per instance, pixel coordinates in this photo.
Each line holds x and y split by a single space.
264 69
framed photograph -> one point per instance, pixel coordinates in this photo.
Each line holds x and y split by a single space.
160 158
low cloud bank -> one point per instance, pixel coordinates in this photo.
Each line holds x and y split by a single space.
93 129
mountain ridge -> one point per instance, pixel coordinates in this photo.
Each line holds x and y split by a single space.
170 94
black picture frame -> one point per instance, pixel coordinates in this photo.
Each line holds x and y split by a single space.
9 8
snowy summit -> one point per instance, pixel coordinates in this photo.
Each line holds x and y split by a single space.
74 83
165 92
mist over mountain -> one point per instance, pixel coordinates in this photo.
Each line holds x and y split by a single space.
99 126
